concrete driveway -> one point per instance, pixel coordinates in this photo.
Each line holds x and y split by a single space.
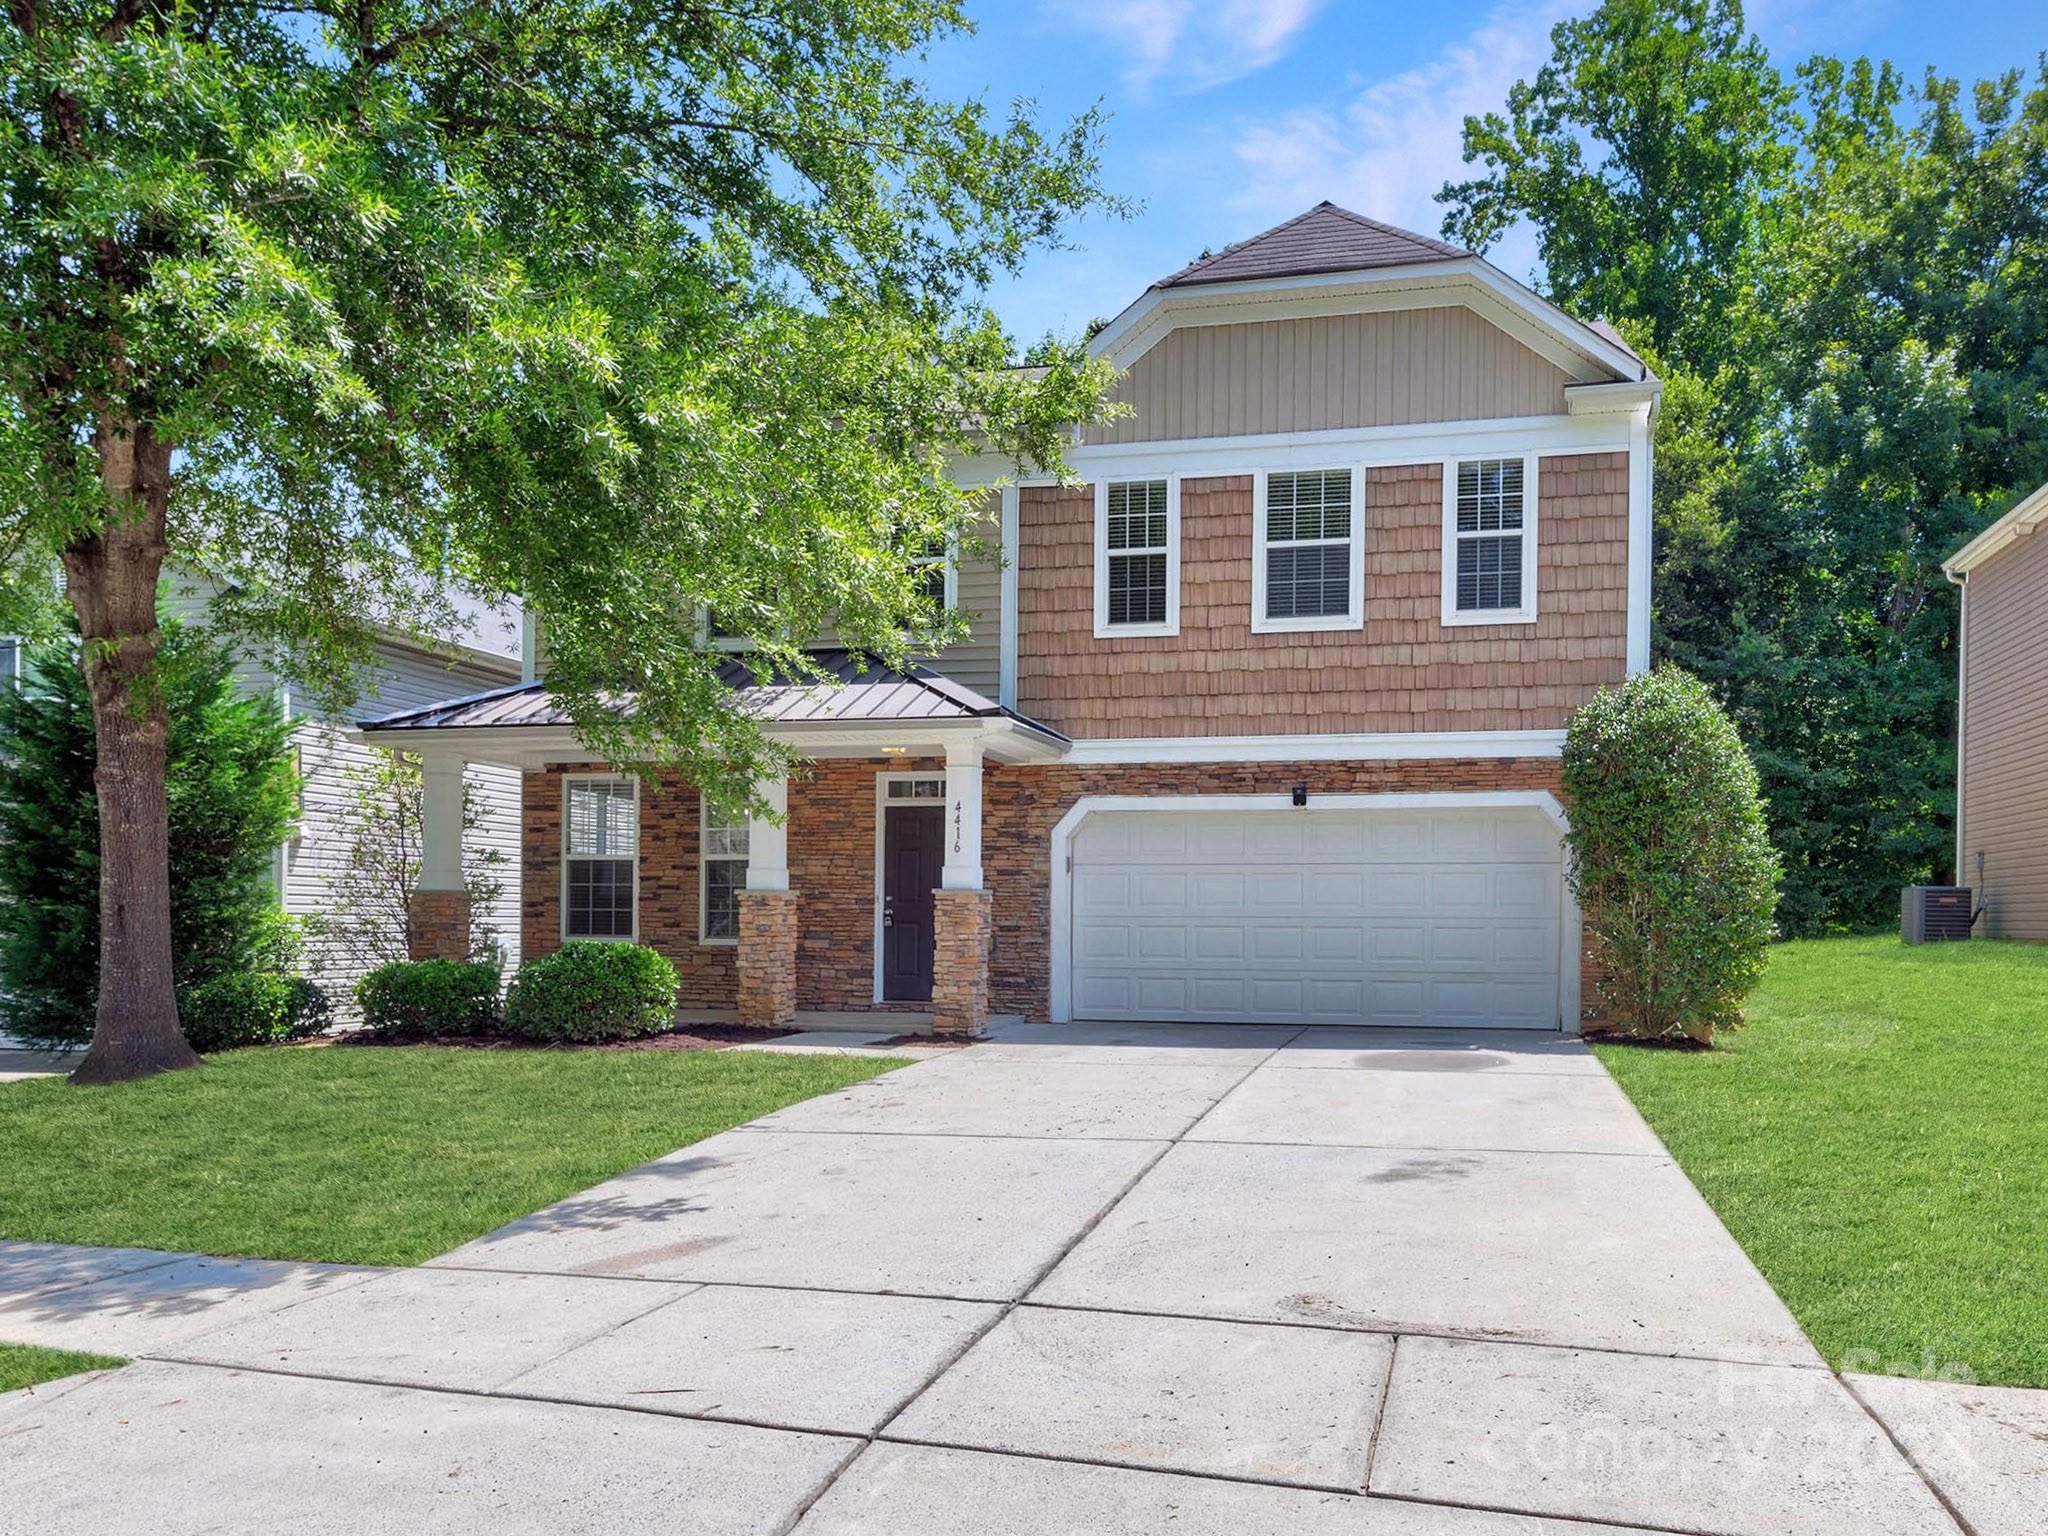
1211 1281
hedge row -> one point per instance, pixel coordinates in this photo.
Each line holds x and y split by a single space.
584 993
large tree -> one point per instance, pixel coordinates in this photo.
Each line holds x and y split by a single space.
1853 330
1644 150
635 307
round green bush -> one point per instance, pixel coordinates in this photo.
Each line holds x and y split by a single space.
252 1008
587 992
1669 856
429 997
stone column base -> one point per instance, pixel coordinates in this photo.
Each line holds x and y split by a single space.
767 958
437 925
963 928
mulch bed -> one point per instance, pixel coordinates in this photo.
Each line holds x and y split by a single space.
930 1042
693 1037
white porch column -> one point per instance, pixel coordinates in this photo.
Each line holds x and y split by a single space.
440 821
437 915
768 841
962 870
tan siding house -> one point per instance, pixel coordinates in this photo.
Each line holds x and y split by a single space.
2002 758
1260 712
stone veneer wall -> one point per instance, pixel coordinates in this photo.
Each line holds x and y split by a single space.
832 861
437 925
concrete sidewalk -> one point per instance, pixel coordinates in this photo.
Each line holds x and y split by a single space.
1070 1282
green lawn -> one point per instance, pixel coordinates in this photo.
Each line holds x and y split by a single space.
367 1155
1877 1138
30 1365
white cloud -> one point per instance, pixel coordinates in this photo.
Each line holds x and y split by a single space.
1190 45
1388 150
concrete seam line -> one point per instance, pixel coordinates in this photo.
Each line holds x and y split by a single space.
1410 1330
730 1285
606 1331
1941 1498
1066 1248
927 1443
861 1442
1599 1522
1379 1418
500 1395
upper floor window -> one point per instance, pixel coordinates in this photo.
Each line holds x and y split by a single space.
937 573
722 874
600 858
1489 541
1308 568
1137 557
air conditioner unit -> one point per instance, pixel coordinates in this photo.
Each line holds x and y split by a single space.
1935 914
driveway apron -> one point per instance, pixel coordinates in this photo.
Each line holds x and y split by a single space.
1072 1281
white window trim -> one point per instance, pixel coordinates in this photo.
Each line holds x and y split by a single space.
1354 616
704 862
950 559
1104 630
706 641
1532 499
569 781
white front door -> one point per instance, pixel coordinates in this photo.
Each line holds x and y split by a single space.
1397 917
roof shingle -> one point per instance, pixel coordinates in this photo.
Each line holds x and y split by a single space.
1325 239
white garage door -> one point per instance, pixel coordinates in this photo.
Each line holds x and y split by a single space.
1441 917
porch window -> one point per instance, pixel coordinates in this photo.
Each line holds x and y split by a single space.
1137 557
1489 541
600 853
722 862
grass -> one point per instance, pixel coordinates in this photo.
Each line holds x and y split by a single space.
30 1365
365 1155
1877 1139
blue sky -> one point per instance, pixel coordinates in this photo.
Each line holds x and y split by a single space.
1230 115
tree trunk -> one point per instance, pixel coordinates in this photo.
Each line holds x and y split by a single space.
112 576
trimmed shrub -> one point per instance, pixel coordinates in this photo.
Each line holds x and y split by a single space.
233 797
587 992
1669 856
252 1008
429 997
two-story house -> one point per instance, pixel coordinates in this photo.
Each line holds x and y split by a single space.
1261 723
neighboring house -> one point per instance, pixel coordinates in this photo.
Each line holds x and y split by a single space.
402 675
2002 720
1262 722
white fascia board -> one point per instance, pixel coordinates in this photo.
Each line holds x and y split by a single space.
2021 521
1623 398
1534 321
1384 746
1368 447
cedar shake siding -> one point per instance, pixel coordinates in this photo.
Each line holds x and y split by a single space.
1369 370
2004 778
832 860
1404 671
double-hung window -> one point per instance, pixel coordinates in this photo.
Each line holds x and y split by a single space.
1137 557
935 570
1308 569
722 864
600 859
1489 541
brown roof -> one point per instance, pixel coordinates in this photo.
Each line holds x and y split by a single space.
856 688
1325 239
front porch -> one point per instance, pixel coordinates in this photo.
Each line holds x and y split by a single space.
857 889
